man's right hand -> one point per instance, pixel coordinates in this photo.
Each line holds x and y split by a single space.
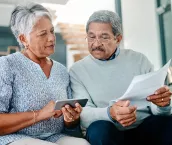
123 113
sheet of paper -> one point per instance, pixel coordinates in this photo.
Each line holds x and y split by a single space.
143 86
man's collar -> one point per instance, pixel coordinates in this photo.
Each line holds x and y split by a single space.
113 56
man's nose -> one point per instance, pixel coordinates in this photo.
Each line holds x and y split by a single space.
97 43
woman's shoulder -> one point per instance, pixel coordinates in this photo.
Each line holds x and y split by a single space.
59 66
59 70
9 59
7 65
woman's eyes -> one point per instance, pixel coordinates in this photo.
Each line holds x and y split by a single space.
43 34
52 31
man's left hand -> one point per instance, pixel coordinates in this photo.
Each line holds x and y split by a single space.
161 97
71 114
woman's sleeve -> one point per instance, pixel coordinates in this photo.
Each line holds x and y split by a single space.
5 85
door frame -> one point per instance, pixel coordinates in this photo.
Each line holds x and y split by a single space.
162 35
118 8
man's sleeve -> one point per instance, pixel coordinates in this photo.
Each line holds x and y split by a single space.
90 113
147 67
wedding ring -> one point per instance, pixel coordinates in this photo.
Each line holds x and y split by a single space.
162 99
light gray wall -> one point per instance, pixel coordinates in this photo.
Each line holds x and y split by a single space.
141 29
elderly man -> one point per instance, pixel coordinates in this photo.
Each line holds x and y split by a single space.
104 75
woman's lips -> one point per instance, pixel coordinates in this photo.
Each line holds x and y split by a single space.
51 46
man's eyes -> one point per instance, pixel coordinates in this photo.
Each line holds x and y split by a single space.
92 36
102 37
105 37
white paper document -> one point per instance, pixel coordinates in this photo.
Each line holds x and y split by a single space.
143 86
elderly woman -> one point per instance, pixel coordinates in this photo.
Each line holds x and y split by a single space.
30 83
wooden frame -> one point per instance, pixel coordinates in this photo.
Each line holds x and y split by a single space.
3 53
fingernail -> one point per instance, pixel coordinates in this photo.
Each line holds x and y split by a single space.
148 98
67 106
166 87
127 103
156 93
77 104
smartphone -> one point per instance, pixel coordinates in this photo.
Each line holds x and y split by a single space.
71 102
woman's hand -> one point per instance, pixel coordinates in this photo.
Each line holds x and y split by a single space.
71 115
48 112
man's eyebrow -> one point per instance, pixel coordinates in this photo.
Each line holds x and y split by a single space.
105 33
90 33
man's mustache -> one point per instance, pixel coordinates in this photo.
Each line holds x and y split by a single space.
98 48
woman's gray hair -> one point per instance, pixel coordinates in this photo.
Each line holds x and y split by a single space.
105 16
24 17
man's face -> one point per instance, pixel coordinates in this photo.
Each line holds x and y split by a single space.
101 41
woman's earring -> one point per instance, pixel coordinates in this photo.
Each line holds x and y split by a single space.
27 46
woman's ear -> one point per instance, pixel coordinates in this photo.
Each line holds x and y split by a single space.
23 40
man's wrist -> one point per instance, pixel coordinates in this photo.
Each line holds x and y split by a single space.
109 115
72 124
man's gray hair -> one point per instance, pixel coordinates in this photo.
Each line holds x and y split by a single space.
105 16
24 17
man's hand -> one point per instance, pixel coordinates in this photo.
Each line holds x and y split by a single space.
161 97
71 114
123 113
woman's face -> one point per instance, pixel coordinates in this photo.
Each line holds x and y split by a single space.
42 38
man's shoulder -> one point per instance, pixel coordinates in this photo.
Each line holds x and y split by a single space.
136 58
129 53
81 62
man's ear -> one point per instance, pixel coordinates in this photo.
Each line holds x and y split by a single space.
23 40
118 39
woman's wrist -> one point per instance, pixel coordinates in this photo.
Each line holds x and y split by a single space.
36 116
